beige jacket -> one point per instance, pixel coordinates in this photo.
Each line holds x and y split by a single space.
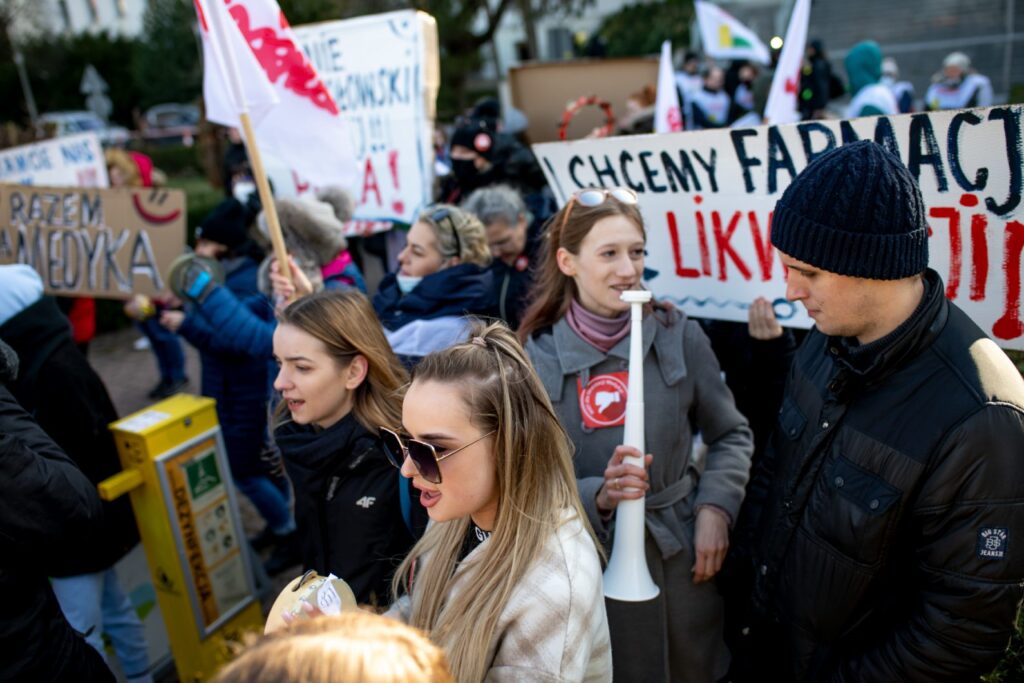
554 628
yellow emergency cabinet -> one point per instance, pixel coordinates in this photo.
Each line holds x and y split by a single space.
177 475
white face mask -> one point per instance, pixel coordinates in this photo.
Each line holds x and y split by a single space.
242 189
407 283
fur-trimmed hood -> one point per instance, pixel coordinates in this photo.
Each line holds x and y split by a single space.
313 230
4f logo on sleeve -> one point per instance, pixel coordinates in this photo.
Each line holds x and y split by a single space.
992 542
366 502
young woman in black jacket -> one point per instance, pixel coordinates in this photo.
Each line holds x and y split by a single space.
339 381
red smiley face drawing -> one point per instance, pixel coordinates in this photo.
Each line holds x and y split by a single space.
150 209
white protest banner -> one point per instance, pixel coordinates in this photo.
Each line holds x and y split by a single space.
707 198
107 243
383 73
74 160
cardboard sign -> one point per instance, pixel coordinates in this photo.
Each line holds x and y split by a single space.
74 160
542 90
707 199
383 73
92 242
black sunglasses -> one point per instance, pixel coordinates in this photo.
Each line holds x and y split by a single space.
424 456
444 214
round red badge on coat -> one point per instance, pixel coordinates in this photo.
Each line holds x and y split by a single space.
603 400
482 142
522 263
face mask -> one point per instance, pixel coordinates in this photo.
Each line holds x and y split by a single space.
466 174
407 283
242 190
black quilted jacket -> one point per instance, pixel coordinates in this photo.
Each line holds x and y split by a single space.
888 514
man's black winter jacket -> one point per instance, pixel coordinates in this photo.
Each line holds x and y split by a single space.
891 507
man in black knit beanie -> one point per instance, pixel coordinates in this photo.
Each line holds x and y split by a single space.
885 522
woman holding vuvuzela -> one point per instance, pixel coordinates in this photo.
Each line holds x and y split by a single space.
577 331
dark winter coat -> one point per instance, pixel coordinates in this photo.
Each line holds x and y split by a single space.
512 282
465 288
48 509
240 382
891 502
346 504
68 400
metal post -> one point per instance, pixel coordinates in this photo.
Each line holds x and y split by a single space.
26 86
1008 52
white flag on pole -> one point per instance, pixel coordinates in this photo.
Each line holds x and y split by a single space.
667 115
724 37
782 106
294 116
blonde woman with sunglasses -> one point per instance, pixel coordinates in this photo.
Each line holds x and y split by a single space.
576 331
507 578
442 276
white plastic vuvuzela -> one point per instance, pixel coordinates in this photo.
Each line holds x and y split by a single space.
627 577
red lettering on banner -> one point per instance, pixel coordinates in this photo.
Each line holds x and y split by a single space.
300 186
722 243
1009 326
955 249
762 245
702 240
398 206
979 256
278 55
673 235
370 183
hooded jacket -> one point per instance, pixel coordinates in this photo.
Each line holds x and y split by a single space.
346 504
870 96
891 507
48 510
430 317
68 400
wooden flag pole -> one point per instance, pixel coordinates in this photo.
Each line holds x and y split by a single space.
230 70
266 198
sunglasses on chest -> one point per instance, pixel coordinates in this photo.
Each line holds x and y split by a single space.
423 455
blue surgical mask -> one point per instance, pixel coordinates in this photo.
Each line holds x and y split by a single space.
407 283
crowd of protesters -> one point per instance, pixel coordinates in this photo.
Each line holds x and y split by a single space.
837 505
716 95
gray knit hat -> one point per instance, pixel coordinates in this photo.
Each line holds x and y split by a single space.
855 210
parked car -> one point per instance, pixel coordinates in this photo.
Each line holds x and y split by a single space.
82 121
170 123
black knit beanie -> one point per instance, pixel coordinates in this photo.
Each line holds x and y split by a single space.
475 134
227 224
857 211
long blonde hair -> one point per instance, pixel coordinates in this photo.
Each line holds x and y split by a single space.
355 647
536 483
345 323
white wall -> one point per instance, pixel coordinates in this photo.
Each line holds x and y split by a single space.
119 17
